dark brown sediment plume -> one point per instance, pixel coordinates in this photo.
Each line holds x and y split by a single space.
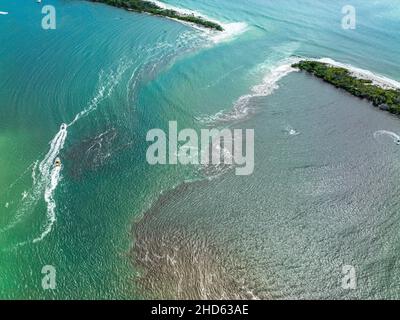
94 152
175 261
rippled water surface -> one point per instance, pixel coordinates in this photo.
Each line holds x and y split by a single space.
324 192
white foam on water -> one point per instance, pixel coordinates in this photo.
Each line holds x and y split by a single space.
34 171
41 177
270 81
164 5
131 85
396 137
45 175
376 78
291 131
12 185
242 107
231 30
50 174
49 179
105 89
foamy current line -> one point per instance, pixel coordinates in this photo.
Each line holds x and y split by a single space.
243 108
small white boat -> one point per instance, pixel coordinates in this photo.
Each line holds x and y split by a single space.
38 1
63 127
57 163
3 13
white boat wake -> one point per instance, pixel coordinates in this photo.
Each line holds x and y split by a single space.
44 181
50 174
49 179
45 175
390 134
289 130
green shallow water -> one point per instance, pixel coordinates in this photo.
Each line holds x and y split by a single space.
316 200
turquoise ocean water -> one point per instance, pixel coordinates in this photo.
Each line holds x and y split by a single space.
325 188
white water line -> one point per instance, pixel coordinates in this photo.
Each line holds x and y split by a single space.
45 175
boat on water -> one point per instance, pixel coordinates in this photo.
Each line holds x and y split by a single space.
63 127
57 163
3 13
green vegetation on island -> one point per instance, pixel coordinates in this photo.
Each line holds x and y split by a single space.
152 8
386 99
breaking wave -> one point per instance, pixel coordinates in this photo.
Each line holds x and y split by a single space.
242 108
231 30
376 78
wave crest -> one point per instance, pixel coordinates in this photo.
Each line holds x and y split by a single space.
242 108
231 30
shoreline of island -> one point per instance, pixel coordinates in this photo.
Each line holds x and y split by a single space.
142 6
385 98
